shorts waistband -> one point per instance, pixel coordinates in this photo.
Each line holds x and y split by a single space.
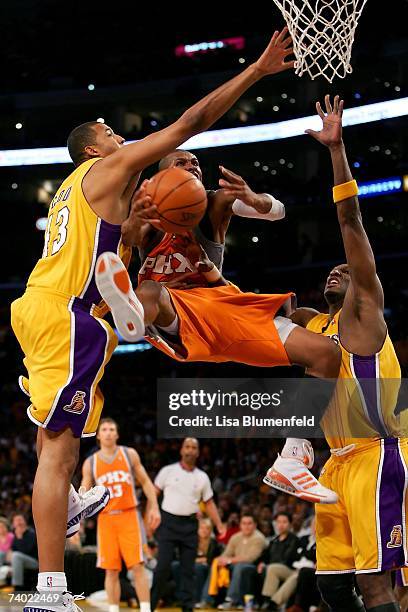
65 298
346 451
116 512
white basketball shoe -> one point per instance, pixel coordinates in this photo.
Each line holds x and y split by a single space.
66 603
290 474
113 282
83 504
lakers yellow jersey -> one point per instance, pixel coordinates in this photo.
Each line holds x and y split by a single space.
364 401
74 238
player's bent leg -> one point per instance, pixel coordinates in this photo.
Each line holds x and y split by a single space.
131 310
156 303
318 354
290 473
377 592
113 282
338 592
58 459
142 586
112 588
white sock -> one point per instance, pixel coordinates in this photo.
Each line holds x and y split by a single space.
145 606
293 448
113 608
52 581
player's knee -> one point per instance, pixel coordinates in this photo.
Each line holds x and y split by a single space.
149 290
111 574
376 588
338 592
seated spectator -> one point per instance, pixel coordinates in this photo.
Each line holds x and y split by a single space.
307 593
277 563
24 551
232 527
6 540
208 549
240 556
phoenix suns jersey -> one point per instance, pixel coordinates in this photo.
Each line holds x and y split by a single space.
169 255
74 238
117 476
363 405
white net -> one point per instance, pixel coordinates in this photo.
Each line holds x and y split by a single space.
323 34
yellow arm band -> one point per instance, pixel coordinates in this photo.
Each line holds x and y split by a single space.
345 191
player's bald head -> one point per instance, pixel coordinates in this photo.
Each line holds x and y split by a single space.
168 160
182 159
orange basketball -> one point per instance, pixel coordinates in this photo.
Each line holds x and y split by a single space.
180 198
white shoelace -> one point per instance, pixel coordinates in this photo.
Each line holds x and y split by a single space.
73 598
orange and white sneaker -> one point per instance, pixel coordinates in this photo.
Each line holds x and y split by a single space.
293 477
113 282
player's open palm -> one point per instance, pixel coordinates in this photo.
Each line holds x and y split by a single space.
331 133
273 58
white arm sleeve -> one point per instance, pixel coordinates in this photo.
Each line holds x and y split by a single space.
243 210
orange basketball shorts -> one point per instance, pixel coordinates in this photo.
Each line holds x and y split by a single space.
120 536
222 324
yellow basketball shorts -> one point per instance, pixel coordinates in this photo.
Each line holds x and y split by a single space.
366 530
66 349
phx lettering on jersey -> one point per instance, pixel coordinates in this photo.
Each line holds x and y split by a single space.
167 264
118 476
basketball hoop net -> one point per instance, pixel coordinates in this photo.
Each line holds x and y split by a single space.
323 34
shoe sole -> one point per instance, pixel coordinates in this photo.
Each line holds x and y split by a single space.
87 513
113 282
284 485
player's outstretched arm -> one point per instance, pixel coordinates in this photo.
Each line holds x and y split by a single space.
246 202
114 172
359 254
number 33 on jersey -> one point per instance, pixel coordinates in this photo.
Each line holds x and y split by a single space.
74 238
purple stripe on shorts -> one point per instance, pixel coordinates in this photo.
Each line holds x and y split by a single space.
89 353
392 527
365 371
108 240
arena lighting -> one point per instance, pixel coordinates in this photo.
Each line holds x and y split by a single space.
41 224
140 347
231 136
237 42
380 187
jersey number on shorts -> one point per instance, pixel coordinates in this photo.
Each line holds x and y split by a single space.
61 222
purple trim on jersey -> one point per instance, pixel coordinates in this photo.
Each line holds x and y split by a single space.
365 371
392 488
108 240
89 354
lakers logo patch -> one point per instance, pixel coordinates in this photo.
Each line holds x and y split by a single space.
395 537
77 405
